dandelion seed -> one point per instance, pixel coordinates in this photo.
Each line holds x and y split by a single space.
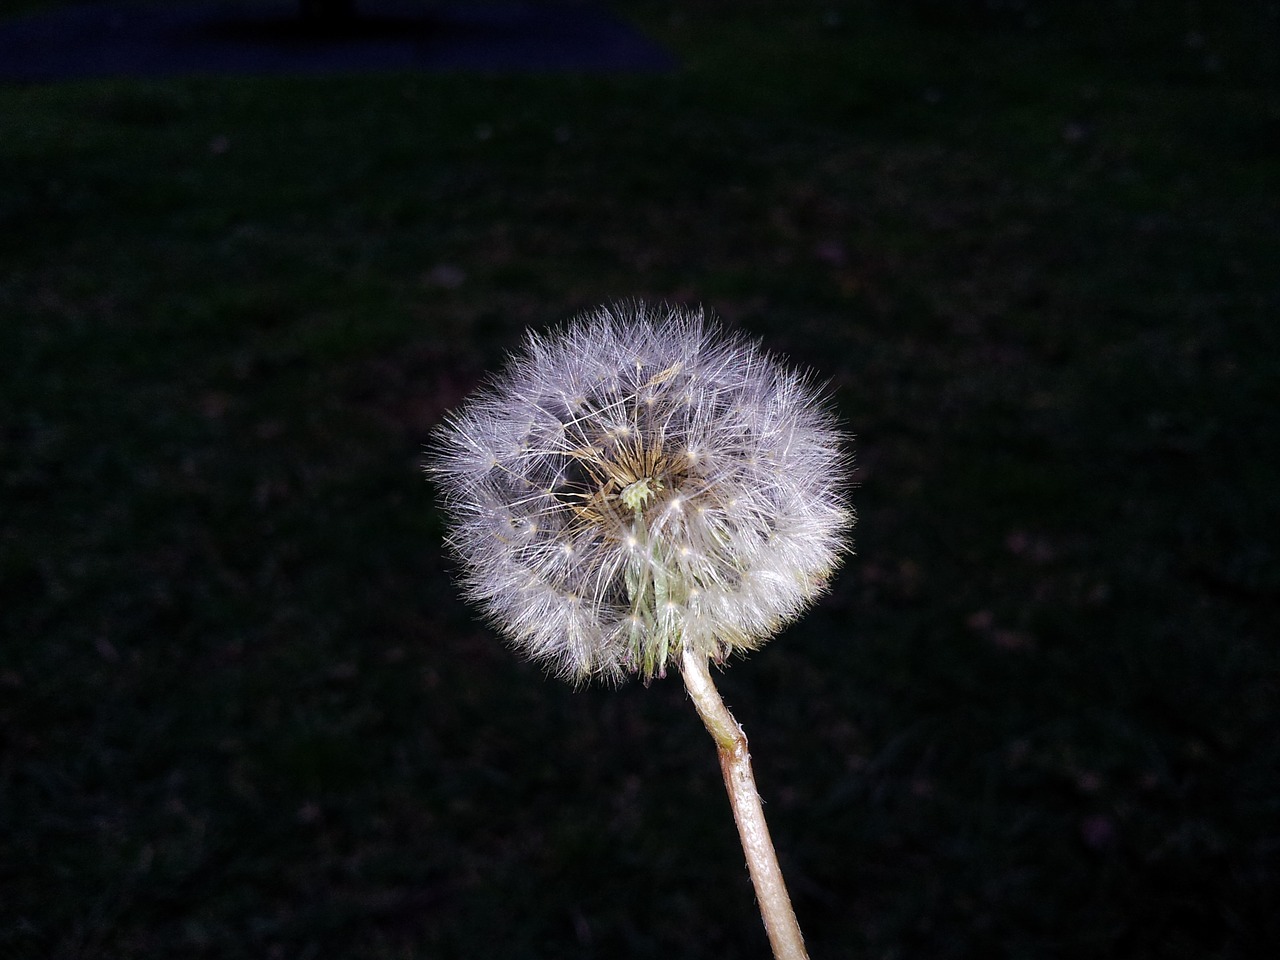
678 469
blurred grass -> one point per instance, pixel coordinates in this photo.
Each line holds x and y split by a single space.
1032 244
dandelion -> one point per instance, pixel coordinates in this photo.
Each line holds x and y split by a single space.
643 491
640 484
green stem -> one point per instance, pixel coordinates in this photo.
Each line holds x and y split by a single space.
735 763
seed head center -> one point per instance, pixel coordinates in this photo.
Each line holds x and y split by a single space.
636 495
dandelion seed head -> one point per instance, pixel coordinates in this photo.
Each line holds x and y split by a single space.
638 483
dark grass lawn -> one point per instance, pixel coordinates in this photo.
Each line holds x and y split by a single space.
243 714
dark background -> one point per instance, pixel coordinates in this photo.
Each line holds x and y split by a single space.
1032 244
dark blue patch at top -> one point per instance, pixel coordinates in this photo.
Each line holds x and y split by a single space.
270 37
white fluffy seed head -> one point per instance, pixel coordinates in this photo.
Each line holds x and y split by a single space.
640 482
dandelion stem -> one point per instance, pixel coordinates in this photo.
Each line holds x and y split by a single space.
735 763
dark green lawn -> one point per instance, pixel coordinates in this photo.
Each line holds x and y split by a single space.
243 714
